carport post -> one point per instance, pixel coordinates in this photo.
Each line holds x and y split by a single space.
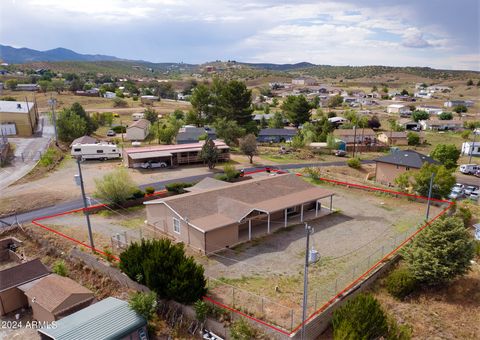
286 218
301 213
316 208
331 202
268 224
249 229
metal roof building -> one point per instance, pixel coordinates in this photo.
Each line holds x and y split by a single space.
110 318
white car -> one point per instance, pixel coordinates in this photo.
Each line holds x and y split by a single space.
152 164
458 186
456 193
469 189
474 196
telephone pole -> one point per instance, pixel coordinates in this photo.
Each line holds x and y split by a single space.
309 231
473 145
429 195
85 204
52 102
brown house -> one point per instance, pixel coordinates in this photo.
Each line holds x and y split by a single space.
54 296
360 135
11 297
397 137
391 166
218 217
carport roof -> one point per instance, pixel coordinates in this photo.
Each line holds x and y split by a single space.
149 154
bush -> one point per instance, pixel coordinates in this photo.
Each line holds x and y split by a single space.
201 310
49 157
164 268
242 330
354 163
413 138
178 188
145 304
60 268
149 190
115 187
222 177
360 318
119 129
230 172
312 172
138 193
119 102
400 283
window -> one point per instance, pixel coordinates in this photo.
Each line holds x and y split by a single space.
99 151
407 168
176 225
77 150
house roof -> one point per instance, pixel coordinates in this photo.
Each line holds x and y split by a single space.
267 116
408 158
207 183
53 290
277 132
141 123
21 274
110 318
396 106
213 208
193 133
84 140
436 120
13 107
351 132
173 148
395 134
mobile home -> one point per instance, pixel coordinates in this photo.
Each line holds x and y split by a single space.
100 151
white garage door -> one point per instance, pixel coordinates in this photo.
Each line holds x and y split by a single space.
8 129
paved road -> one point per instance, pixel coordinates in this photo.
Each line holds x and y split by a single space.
78 203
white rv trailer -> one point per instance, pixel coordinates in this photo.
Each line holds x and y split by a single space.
101 151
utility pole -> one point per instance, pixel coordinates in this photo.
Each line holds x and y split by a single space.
121 131
473 145
85 204
354 139
309 231
52 102
429 195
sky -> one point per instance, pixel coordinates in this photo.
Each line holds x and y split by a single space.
434 33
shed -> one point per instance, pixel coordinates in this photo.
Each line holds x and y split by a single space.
139 130
52 297
11 297
110 318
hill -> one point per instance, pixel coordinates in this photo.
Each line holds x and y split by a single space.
14 55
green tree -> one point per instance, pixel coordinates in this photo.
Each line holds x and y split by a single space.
70 125
230 172
404 92
80 111
447 154
335 101
413 138
11 84
165 133
228 130
58 85
402 181
296 109
145 304
116 186
60 268
119 93
209 153
263 122
360 318
470 82
276 122
374 123
119 102
237 102
441 252
44 85
201 310
164 268
460 109
466 134
151 115
201 101
418 115
445 116
248 145
76 84
443 181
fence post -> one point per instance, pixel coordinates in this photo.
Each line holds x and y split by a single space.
233 297
291 319
263 310
315 304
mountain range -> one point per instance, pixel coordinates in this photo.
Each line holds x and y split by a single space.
14 55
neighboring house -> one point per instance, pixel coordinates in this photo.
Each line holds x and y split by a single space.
438 124
138 130
95 92
109 95
173 155
212 219
359 135
137 116
431 110
11 297
409 124
396 137
53 297
84 140
304 81
110 318
423 94
471 148
149 99
398 108
18 118
403 98
258 118
438 88
191 134
27 87
276 135
392 165
453 103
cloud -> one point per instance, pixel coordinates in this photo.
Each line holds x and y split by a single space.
414 38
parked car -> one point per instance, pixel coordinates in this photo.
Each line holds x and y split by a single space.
457 193
458 186
340 153
476 173
469 169
152 164
111 133
474 196
469 189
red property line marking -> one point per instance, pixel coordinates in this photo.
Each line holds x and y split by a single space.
351 285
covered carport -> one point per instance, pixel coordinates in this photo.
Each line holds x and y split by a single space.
134 160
